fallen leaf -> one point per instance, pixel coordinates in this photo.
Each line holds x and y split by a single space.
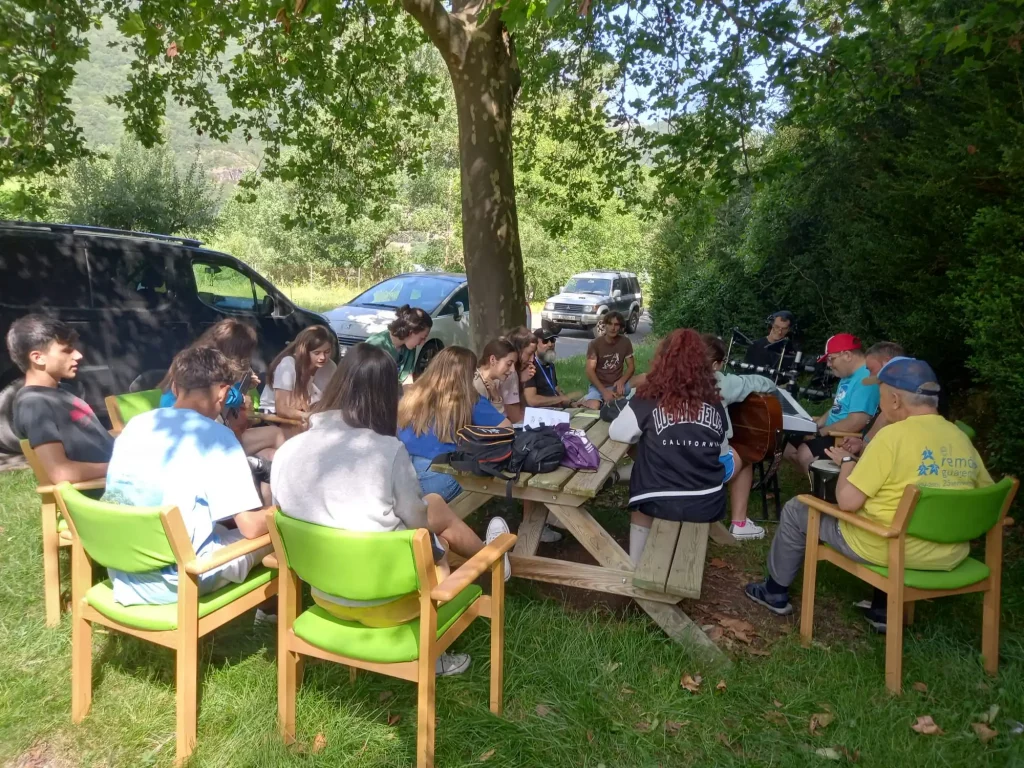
543 710
984 733
741 630
758 652
393 719
927 726
611 666
590 736
776 717
920 687
626 691
319 744
717 562
715 634
674 726
777 703
487 755
820 721
829 753
692 684
990 715
385 695
642 726
720 686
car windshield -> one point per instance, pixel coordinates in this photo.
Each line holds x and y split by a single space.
597 285
420 291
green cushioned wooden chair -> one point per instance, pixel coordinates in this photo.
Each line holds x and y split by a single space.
138 540
124 408
376 566
934 514
55 531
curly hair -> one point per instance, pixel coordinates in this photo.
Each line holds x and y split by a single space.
680 380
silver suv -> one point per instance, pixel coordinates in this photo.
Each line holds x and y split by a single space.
589 296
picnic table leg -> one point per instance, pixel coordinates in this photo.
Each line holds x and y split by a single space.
599 543
530 529
467 502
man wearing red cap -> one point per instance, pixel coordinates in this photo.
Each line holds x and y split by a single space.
854 405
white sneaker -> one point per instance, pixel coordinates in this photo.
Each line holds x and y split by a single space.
749 530
549 535
449 664
495 528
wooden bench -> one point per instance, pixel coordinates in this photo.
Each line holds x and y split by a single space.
673 559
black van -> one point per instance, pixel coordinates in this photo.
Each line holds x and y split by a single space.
135 299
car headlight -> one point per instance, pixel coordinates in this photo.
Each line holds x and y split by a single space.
588 309
549 305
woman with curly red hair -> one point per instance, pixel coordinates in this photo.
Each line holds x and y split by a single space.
677 421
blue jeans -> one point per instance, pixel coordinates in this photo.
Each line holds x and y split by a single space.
445 486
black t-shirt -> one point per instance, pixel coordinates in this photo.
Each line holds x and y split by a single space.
545 380
54 415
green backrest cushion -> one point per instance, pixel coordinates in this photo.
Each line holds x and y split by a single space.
130 539
353 565
254 395
131 404
948 516
967 429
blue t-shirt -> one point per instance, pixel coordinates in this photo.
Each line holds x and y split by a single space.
177 456
853 396
428 446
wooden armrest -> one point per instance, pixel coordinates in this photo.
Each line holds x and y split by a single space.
839 433
470 570
270 561
86 485
1007 522
833 511
270 418
227 554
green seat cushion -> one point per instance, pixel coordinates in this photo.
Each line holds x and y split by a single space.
970 571
380 644
163 617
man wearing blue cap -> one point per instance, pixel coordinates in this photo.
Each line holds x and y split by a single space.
918 446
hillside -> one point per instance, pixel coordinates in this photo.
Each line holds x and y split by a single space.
105 74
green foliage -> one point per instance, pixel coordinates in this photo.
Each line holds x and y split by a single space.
137 189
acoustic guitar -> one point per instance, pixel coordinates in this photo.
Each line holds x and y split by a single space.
756 427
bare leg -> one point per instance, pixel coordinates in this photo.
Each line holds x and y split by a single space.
255 440
805 458
445 523
739 490
592 405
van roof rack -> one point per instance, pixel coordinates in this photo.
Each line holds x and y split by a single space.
99 231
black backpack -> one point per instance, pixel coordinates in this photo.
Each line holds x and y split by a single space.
537 451
611 410
483 451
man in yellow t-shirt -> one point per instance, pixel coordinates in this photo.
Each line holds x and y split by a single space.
917 447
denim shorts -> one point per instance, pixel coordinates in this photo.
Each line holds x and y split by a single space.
445 486
593 394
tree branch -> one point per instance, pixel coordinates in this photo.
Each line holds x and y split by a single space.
434 20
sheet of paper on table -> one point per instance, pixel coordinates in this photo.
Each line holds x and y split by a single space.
544 417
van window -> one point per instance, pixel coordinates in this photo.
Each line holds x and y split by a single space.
40 270
619 285
223 287
128 275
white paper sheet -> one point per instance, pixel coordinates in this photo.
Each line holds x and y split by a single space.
544 417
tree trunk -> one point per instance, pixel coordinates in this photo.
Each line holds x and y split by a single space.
485 77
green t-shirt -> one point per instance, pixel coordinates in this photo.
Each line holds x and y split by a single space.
404 358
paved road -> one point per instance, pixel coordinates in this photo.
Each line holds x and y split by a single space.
572 343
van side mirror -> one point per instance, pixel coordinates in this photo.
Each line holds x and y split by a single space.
460 311
267 306
562 289
616 293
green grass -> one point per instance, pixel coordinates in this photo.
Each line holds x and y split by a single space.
600 669
319 298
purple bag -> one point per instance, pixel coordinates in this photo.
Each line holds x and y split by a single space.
580 453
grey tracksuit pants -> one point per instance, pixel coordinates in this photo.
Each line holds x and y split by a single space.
786 556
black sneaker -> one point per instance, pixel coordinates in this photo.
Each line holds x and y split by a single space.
876 618
260 469
776 603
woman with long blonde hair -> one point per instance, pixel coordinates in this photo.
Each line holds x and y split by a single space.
441 402
299 375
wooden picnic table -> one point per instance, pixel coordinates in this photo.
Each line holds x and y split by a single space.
564 494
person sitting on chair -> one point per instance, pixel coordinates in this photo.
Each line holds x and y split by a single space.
61 428
542 391
765 352
181 457
349 471
610 363
298 376
877 356
854 404
401 338
677 422
739 475
917 447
